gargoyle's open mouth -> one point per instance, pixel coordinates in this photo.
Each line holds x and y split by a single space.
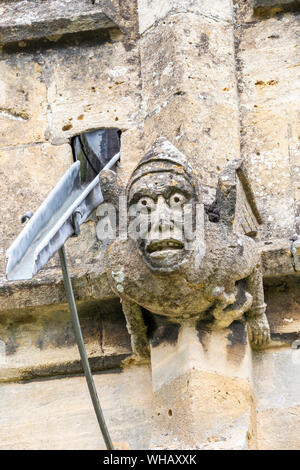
161 245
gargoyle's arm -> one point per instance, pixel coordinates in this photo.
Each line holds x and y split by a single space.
137 330
258 325
112 190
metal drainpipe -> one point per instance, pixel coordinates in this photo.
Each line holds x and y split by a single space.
82 350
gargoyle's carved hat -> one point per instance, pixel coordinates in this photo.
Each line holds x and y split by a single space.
162 157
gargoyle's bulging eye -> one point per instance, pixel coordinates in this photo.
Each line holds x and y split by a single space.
177 200
145 203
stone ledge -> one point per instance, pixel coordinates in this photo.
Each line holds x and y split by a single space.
47 288
91 284
278 259
152 12
25 20
40 342
37 371
251 11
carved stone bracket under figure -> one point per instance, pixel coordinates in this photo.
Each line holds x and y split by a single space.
184 260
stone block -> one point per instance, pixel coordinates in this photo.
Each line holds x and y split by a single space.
276 374
40 342
268 62
202 389
265 144
278 429
28 174
278 215
152 11
89 282
206 411
201 349
276 377
294 147
93 88
201 133
282 298
23 102
23 20
294 119
59 415
188 55
189 90
277 258
132 150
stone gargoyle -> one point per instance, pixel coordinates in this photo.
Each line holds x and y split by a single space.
206 268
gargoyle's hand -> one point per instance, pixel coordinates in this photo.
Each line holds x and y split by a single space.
222 299
111 186
229 307
259 330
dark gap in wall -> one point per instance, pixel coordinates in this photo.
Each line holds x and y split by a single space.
82 39
282 296
160 329
149 322
265 10
94 150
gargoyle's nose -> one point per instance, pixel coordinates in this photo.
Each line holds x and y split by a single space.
162 217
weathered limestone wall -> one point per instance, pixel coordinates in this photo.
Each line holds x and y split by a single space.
40 342
193 55
277 399
201 376
189 85
52 89
58 414
199 67
267 53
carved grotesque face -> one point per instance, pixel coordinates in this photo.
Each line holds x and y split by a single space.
159 203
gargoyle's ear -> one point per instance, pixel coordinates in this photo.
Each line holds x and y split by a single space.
235 200
111 187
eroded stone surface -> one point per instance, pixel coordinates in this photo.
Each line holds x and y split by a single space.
151 11
23 102
194 382
58 414
189 87
89 283
268 61
93 89
282 297
40 342
277 258
28 174
29 19
276 375
22 20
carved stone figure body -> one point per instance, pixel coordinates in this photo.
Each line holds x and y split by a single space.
183 260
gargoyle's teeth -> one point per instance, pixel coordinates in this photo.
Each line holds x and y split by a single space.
165 245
